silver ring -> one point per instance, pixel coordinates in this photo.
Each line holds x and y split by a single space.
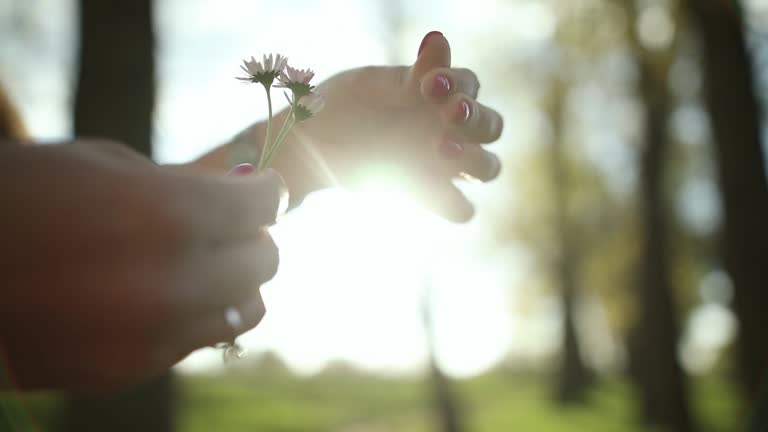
233 318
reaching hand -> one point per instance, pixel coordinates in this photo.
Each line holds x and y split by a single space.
423 119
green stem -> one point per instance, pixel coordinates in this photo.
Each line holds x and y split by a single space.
279 140
266 147
282 128
281 137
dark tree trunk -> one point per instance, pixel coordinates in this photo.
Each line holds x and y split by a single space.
447 408
573 377
662 382
116 84
735 117
446 405
115 99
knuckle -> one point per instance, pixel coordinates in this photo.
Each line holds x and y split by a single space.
490 167
263 260
271 259
274 191
475 113
497 126
472 78
253 312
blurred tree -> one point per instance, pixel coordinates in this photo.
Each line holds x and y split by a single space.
573 376
654 341
573 226
115 99
735 118
447 409
116 84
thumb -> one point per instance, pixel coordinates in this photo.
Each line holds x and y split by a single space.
434 52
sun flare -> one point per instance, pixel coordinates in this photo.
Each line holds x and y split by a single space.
356 267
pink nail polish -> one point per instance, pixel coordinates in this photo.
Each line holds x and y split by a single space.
451 149
463 111
424 41
242 170
441 86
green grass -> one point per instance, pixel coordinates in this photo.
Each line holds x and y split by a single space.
269 398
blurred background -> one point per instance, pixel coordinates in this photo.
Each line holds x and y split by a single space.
612 280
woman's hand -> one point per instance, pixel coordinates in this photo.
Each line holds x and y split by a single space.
424 120
115 268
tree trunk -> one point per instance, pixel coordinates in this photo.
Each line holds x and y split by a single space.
447 408
115 99
735 118
446 405
116 84
573 376
662 382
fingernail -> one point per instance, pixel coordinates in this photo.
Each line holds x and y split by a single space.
463 111
242 170
424 41
441 86
451 149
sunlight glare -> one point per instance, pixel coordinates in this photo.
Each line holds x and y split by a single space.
355 267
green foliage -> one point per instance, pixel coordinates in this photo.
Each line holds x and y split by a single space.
342 399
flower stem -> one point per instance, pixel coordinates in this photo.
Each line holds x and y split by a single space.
290 121
280 136
266 148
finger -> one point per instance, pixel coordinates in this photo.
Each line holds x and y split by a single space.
218 208
242 170
467 120
218 277
214 327
104 147
442 82
434 52
444 199
470 159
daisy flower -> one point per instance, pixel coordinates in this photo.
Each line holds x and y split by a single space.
308 106
265 71
297 80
